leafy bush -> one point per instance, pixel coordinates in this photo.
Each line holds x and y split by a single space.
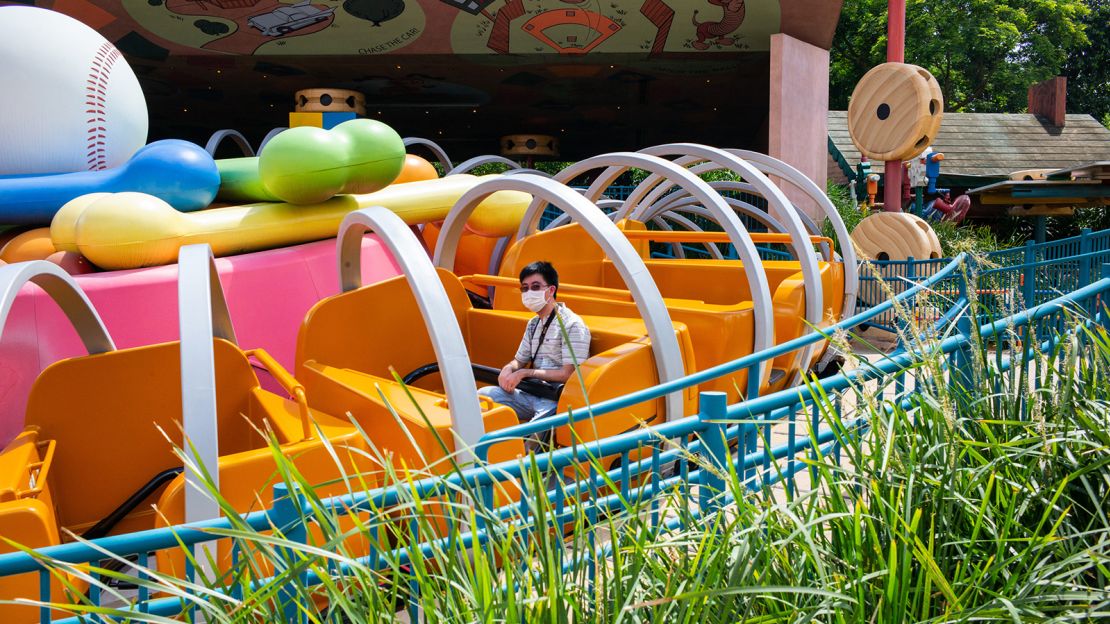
959 238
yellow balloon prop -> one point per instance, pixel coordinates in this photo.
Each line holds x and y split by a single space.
130 230
63 227
896 236
895 112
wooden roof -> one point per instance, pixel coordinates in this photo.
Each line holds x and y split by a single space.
997 144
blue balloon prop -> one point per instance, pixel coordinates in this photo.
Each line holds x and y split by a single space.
179 172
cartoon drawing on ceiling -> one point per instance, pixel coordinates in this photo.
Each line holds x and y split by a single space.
661 16
513 28
594 29
650 27
232 26
561 28
289 18
285 27
734 13
375 11
474 7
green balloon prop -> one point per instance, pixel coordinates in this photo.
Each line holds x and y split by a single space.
239 181
306 165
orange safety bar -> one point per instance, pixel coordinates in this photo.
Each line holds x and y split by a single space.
678 236
289 383
38 471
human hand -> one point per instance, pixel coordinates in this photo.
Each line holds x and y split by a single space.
508 380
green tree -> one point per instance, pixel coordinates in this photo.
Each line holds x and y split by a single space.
984 53
1088 68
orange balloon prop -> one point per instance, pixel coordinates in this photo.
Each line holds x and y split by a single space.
9 234
416 169
71 262
30 245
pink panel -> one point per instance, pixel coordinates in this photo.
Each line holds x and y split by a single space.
268 293
797 125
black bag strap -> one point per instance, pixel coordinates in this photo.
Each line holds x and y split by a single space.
543 334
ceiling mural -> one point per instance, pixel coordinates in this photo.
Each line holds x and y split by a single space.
600 74
467 27
629 27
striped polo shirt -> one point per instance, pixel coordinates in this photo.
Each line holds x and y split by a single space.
555 352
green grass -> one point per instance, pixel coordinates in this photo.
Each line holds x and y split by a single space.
986 501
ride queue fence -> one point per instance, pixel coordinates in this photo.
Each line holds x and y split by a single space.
686 457
1009 280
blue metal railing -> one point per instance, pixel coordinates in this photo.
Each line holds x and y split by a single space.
708 435
1011 279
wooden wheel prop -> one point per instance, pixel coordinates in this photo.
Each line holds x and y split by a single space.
896 236
540 145
895 112
330 101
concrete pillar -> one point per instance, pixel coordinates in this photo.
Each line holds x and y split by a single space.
798 127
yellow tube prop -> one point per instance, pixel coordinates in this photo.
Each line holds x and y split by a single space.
131 230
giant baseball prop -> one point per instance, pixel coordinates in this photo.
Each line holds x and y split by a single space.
71 102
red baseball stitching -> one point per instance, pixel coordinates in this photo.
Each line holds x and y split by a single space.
96 88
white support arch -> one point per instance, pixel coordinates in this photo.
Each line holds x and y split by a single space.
564 218
518 171
742 187
236 137
690 226
478 161
704 158
269 135
62 288
683 202
773 166
616 163
435 307
645 294
202 316
431 146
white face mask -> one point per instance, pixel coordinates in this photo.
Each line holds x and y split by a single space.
534 300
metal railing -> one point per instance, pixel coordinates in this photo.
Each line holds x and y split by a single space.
684 457
1010 279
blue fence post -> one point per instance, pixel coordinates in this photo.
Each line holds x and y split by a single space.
712 417
903 322
960 376
287 516
1085 264
1084 261
749 444
1029 288
1103 306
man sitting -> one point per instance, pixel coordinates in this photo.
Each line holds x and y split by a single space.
543 353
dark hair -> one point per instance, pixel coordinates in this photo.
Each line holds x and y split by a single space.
544 269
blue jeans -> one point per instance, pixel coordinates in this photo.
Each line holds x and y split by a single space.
527 407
